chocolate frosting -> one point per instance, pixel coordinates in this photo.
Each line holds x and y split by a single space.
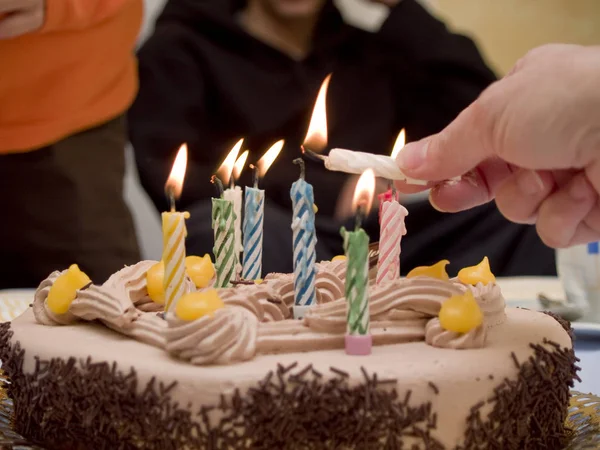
227 336
254 319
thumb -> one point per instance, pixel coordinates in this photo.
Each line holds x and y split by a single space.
460 147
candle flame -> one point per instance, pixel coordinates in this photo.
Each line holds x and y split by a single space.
316 136
265 162
239 165
400 143
364 191
174 183
225 171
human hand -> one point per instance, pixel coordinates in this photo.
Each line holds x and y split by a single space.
18 17
531 141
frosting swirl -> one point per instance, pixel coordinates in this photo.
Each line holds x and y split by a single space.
108 305
436 336
228 336
133 280
402 299
260 299
41 312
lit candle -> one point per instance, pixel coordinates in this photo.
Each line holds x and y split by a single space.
348 161
229 172
174 232
387 195
358 340
392 228
304 244
254 204
224 246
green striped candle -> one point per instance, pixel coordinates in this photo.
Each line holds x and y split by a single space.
223 219
356 247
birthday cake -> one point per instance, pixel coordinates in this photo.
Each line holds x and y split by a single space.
103 366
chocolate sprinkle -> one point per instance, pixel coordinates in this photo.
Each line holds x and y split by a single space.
94 405
434 387
527 413
82 404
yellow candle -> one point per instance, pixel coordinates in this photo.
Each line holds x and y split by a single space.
174 233
481 273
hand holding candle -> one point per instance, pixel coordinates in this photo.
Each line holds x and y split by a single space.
174 233
358 339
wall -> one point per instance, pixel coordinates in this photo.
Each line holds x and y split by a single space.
506 29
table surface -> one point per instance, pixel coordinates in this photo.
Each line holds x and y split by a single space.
520 291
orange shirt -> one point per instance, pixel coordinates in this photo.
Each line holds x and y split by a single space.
78 71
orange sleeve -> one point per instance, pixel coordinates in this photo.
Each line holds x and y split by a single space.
80 14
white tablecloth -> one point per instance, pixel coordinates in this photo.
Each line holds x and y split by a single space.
517 291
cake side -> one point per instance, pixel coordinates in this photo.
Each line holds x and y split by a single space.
513 393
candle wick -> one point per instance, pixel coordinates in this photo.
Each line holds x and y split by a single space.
217 182
255 174
312 155
358 217
170 197
394 192
231 182
300 162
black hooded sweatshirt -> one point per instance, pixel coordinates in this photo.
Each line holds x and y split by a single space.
207 82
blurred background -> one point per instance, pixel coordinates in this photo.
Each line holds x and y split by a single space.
504 30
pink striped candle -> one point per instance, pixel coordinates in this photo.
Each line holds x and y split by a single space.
392 228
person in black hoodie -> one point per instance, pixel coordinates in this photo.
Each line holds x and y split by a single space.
218 70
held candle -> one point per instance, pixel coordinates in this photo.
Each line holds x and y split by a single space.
304 244
224 246
392 228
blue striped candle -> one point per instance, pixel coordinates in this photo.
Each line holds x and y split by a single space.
254 205
304 244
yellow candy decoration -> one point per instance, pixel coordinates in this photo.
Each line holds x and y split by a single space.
438 270
339 258
200 270
198 304
315 208
64 290
461 313
154 283
481 273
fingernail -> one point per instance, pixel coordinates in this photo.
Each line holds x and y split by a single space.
529 182
432 201
413 155
580 189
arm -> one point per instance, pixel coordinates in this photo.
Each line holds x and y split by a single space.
169 111
80 14
446 72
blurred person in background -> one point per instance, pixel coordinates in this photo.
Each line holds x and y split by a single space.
68 75
218 70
